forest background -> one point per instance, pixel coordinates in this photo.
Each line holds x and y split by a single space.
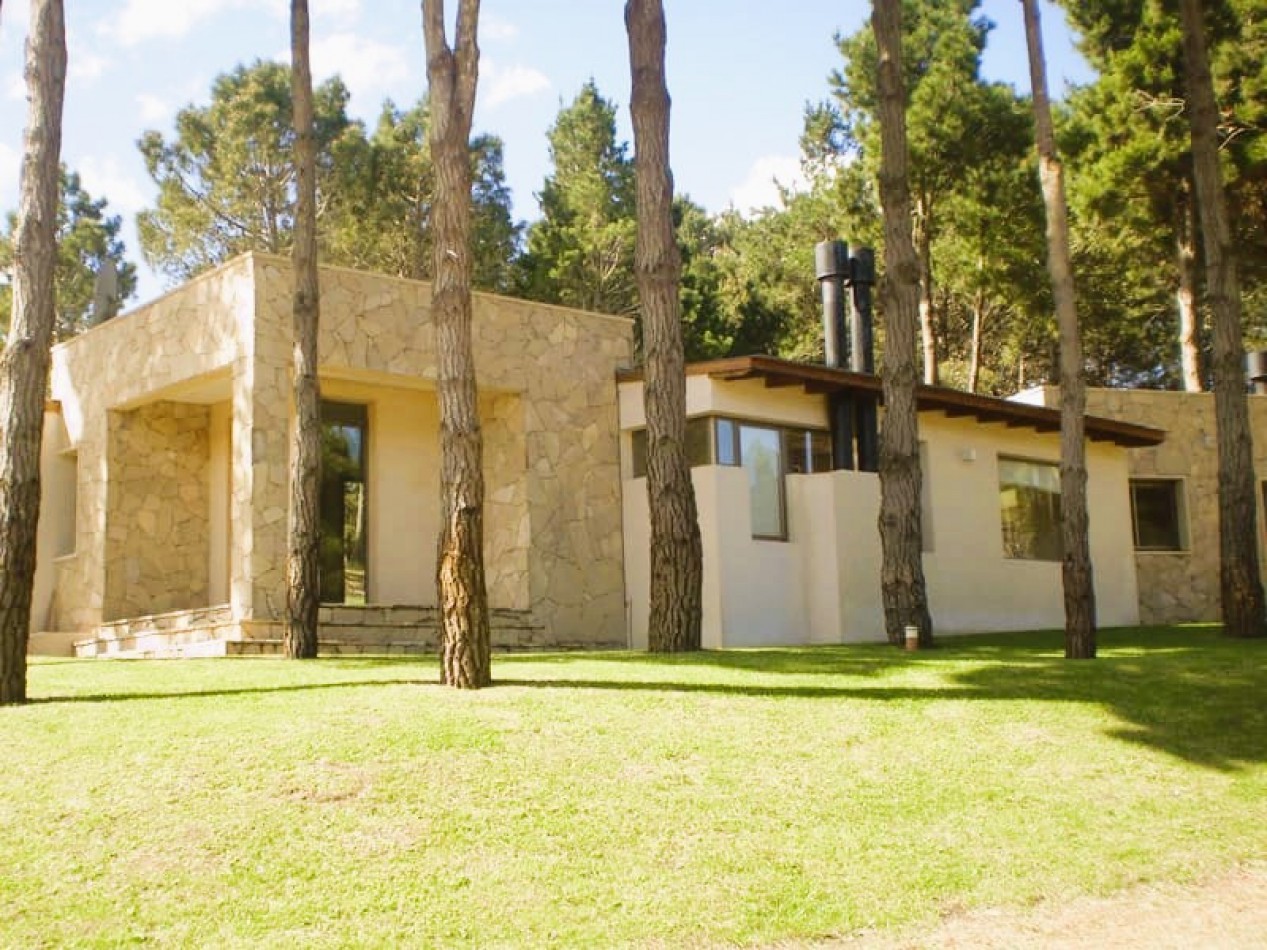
555 213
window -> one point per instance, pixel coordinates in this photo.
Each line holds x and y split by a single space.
761 455
342 508
767 452
1029 496
699 445
1156 508
806 451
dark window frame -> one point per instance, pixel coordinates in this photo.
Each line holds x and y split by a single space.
1176 513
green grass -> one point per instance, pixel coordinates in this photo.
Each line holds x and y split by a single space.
613 799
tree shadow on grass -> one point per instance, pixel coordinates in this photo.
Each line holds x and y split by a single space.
1186 692
260 690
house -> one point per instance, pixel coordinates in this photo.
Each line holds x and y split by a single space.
165 463
1174 495
791 547
165 484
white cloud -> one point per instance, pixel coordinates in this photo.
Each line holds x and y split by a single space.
495 29
345 13
108 179
500 85
142 20
365 65
15 87
84 65
761 188
154 109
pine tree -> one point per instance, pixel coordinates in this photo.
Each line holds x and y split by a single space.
903 591
303 558
452 73
1076 572
25 361
677 559
1240 582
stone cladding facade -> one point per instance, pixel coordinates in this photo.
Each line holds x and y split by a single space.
137 396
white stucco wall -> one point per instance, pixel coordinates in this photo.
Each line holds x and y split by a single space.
971 585
822 585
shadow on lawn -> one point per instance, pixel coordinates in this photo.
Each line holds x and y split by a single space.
260 690
1186 692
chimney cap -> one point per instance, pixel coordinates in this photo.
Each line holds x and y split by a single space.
831 259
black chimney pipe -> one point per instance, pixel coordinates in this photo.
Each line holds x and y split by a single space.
862 355
831 269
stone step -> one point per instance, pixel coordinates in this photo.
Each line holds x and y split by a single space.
52 643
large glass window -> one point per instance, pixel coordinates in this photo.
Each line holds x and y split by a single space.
1156 507
343 503
1029 496
761 454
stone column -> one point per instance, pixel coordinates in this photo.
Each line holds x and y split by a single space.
257 553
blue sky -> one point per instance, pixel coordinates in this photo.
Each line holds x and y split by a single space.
739 72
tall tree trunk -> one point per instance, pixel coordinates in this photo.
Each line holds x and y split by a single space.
677 558
1079 585
978 327
902 566
451 78
24 363
1240 581
927 311
303 571
1186 292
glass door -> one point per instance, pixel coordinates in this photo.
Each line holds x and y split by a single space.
343 503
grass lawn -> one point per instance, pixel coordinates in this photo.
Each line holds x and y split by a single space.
600 799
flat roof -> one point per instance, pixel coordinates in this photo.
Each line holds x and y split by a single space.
814 378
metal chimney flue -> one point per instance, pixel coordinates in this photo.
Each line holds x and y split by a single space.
831 270
861 282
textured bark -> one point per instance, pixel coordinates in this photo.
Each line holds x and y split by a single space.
24 363
1239 579
1186 292
303 564
451 79
927 318
677 556
978 327
1079 585
903 590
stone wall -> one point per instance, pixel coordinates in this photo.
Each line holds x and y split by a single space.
1180 586
157 534
548 403
180 346
548 398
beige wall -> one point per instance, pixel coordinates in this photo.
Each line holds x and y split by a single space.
55 538
822 585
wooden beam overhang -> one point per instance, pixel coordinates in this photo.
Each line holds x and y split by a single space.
815 379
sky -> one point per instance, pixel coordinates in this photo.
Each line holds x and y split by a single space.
739 73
